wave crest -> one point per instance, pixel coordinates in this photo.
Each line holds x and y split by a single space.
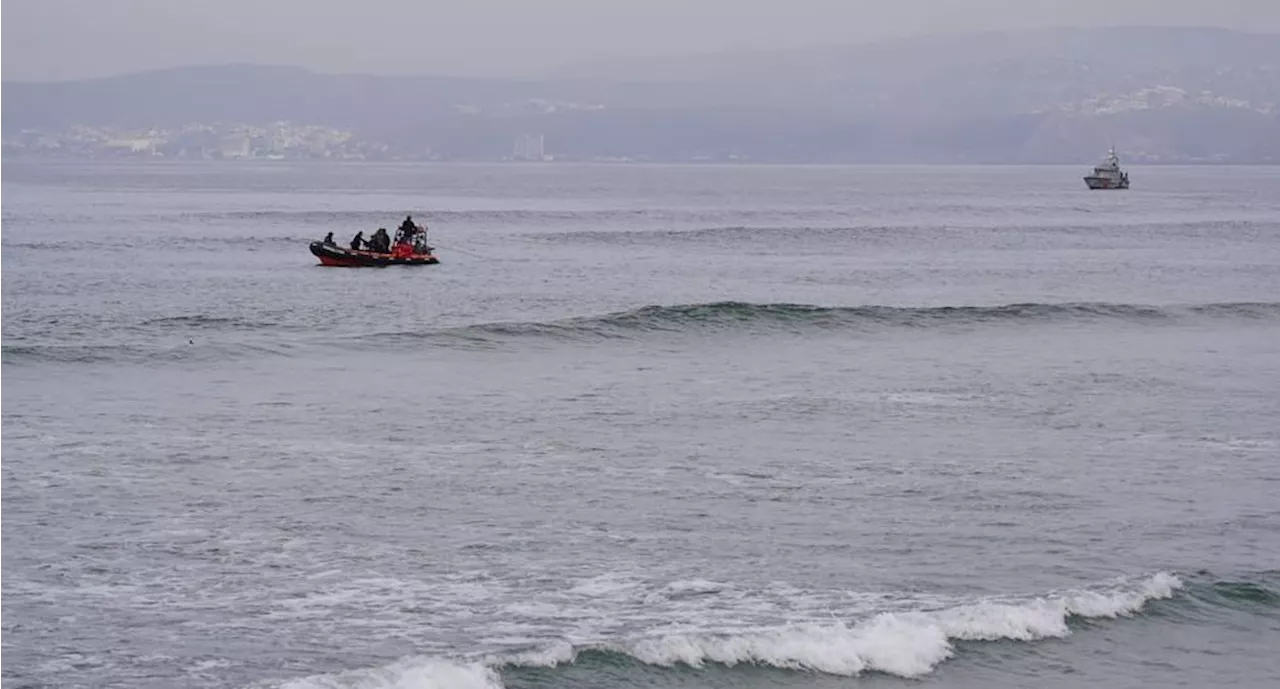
886 644
907 644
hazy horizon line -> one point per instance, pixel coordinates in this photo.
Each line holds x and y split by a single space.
70 161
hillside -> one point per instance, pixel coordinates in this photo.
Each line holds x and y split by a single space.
1062 95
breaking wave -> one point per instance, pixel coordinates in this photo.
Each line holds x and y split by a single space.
905 643
410 673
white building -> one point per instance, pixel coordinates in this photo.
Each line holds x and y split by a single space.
529 147
235 147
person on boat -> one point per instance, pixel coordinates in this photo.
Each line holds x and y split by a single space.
358 241
328 240
381 242
407 228
402 237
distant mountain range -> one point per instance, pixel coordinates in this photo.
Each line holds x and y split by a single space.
1060 95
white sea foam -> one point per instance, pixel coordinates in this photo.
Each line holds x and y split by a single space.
605 584
886 643
906 643
559 653
409 673
695 586
688 588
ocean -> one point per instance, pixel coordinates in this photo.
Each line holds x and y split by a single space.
643 426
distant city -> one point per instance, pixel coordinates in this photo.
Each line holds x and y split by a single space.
1159 95
234 141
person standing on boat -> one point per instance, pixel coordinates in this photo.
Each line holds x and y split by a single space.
407 228
412 235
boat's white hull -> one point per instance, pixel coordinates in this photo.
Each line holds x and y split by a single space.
1106 182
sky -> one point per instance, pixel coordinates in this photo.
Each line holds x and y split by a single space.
73 39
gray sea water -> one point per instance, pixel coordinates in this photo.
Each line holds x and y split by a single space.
643 426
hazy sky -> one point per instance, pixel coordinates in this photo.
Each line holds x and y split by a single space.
62 39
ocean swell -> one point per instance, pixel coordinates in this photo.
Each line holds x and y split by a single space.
166 339
742 317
